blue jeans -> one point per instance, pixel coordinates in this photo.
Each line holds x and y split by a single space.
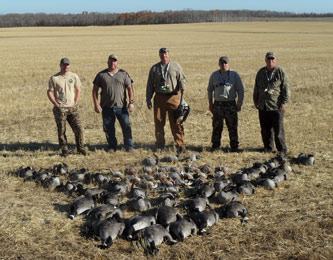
109 115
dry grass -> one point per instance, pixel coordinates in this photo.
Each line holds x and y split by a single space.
293 222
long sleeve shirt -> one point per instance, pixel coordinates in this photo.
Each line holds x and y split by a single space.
226 86
165 80
271 89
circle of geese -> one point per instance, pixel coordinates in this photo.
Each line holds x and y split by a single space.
157 195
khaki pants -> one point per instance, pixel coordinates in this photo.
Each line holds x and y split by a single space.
164 104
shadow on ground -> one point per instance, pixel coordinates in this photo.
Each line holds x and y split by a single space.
13 149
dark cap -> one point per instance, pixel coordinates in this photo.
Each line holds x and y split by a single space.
113 57
164 50
65 61
270 55
224 59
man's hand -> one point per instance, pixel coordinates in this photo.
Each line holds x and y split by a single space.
98 108
210 107
130 107
149 105
283 107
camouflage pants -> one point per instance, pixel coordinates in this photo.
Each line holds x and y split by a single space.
71 115
225 110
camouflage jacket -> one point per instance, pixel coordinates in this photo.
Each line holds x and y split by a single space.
271 89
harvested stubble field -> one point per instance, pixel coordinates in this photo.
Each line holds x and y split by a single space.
294 221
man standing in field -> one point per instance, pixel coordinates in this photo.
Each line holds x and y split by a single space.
166 78
224 86
64 92
113 83
270 96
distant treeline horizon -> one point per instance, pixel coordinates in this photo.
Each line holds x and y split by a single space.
147 17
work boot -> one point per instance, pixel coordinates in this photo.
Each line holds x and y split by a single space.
283 155
235 150
65 152
82 151
267 150
213 148
110 150
130 149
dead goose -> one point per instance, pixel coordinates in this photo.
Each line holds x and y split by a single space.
153 236
221 184
138 204
204 219
131 171
108 230
75 186
268 183
53 183
25 172
170 159
227 196
118 186
239 178
207 169
95 193
111 199
117 174
82 175
40 177
105 211
151 161
101 178
182 228
222 168
306 159
198 204
138 192
235 209
137 223
253 173
279 175
167 199
207 190
80 205
166 215
61 169
286 168
246 188
273 163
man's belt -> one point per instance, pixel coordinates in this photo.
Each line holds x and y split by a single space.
167 94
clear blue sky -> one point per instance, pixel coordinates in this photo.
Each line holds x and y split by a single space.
121 6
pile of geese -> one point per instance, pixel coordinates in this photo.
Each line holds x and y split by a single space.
167 203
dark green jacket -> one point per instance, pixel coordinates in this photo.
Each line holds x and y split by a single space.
271 90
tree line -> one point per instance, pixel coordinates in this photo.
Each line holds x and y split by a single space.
146 17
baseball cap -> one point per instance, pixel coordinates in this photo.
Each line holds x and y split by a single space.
65 61
114 57
164 50
270 55
224 59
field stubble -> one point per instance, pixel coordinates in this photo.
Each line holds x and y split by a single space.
293 222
